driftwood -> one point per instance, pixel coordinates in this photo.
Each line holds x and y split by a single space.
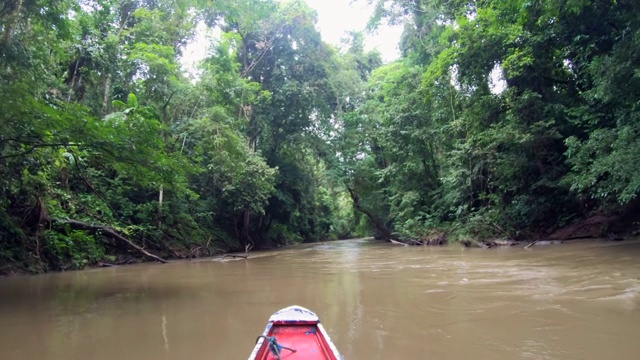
111 232
245 256
531 244
398 242
545 242
503 242
435 238
234 256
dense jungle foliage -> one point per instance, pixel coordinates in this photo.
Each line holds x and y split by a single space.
501 118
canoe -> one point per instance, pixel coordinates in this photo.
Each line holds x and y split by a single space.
294 333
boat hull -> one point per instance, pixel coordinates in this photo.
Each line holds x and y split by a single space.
296 333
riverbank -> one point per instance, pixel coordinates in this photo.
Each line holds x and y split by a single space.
599 227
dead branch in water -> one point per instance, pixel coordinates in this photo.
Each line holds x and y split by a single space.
245 256
398 242
531 244
234 256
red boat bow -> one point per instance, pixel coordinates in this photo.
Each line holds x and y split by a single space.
294 333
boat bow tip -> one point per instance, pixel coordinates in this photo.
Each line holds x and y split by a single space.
294 313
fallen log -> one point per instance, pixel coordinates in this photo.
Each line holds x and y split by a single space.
533 243
111 232
234 256
397 242
544 242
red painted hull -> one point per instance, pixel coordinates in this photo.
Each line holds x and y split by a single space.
295 328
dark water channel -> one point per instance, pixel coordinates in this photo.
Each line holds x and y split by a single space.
377 301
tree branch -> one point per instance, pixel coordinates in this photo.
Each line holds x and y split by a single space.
34 147
109 231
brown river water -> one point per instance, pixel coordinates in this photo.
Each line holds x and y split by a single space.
377 301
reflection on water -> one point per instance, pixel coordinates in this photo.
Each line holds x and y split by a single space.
377 301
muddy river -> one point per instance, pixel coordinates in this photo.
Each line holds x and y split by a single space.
377 301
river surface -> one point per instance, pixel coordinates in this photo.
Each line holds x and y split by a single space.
377 301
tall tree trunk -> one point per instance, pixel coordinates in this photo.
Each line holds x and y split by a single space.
244 234
107 82
160 196
73 79
13 18
105 97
